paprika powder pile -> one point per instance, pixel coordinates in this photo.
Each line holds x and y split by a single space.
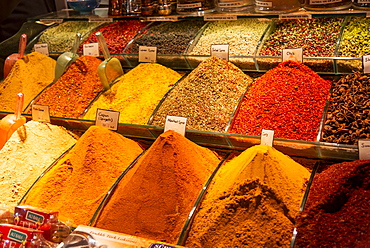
337 209
77 184
30 150
155 197
288 99
252 202
136 94
29 75
74 90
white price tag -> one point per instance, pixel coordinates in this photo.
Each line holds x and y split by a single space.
364 149
42 48
221 51
98 19
320 2
295 54
189 5
162 18
220 18
366 63
295 16
107 118
91 49
263 3
267 137
40 113
147 54
175 123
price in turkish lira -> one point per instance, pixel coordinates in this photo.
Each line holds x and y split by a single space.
147 54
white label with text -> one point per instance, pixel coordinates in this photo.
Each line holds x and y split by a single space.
364 149
295 54
366 63
107 118
92 19
40 113
189 5
267 137
91 49
263 4
220 18
147 54
221 51
175 123
162 18
42 48
319 2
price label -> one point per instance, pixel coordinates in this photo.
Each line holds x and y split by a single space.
364 149
92 19
147 54
162 18
263 4
107 118
40 113
221 51
295 54
42 48
295 16
267 137
366 63
320 2
91 49
220 18
175 123
230 4
189 5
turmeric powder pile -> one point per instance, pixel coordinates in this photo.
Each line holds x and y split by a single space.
252 202
155 197
76 185
136 94
29 75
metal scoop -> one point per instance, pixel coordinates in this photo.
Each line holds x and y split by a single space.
110 68
10 123
11 59
67 58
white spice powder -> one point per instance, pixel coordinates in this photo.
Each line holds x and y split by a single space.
29 151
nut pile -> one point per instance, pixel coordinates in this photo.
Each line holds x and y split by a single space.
348 117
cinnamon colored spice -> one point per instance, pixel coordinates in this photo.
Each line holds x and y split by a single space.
337 212
154 199
288 99
74 90
77 184
252 202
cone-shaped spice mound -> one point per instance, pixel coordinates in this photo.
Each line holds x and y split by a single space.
252 202
154 199
76 185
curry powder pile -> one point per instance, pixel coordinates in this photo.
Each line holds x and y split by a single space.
77 184
154 199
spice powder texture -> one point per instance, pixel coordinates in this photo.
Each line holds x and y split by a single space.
288 99
337 209
154 199
252 202
29 75
77 184
30 150
137 93
74 90
207 96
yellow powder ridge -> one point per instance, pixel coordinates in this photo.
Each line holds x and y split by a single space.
76 185
252 202
155 197
28 152
29 75
136 94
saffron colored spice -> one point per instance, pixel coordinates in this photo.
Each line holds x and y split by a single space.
337 211
252 202
288 99
74 90
155 197
77 184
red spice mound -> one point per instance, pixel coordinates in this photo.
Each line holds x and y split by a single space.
337 211
288 99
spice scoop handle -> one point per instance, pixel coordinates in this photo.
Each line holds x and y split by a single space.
22 45
103 45
76 43
19 105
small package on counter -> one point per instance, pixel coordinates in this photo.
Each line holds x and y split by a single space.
41 219
14 236
90 237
